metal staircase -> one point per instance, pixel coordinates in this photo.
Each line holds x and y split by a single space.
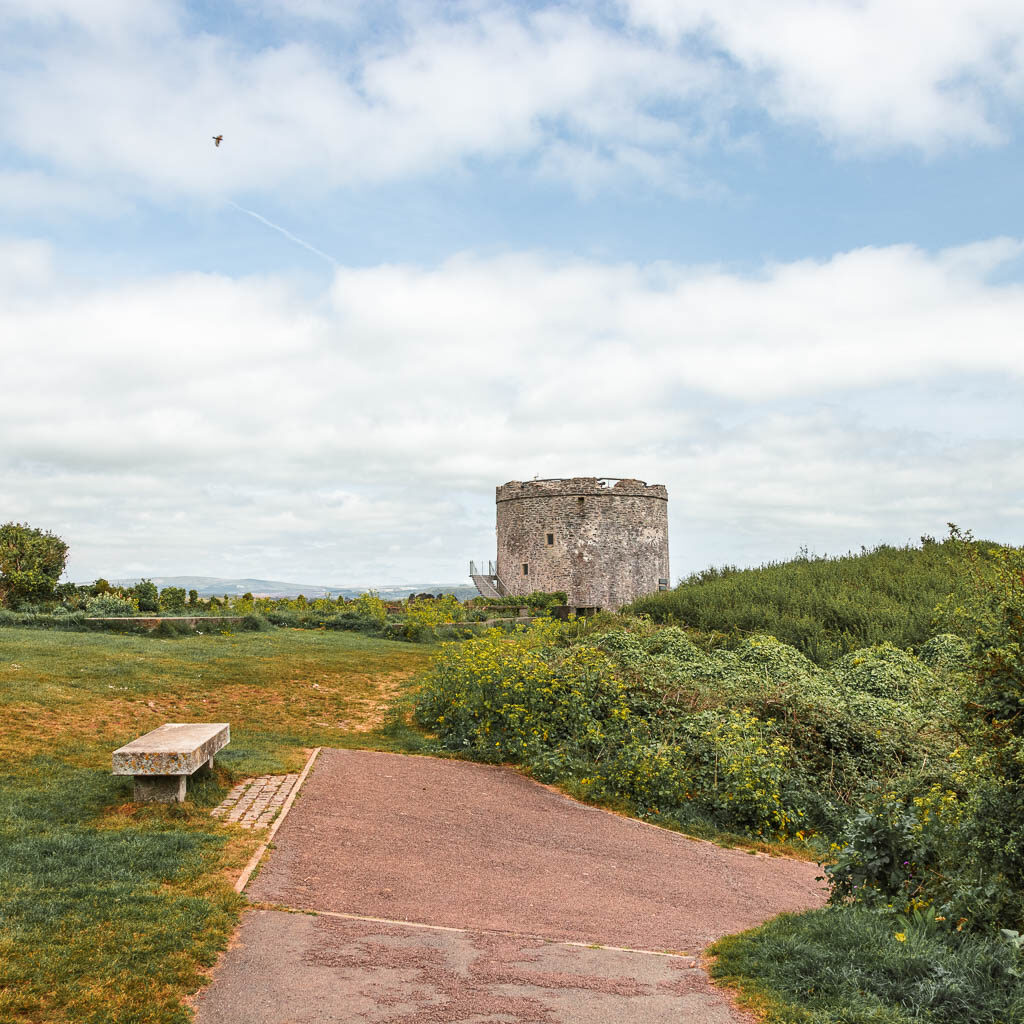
487 582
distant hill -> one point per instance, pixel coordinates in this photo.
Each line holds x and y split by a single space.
216 586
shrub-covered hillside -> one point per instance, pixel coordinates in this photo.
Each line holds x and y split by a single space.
824 607
755 739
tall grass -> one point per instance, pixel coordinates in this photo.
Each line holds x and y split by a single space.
853 966
824 607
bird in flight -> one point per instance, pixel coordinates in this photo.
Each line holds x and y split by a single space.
218 139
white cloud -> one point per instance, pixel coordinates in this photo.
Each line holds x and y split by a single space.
856 319
26 267
868 73
203 423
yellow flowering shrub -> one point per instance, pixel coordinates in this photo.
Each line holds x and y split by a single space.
513 696
370 606
565 712
436 611
726 765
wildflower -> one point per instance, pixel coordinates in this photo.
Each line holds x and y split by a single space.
901 936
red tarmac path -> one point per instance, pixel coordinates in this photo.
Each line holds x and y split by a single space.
489 894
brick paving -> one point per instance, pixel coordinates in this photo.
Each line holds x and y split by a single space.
255 803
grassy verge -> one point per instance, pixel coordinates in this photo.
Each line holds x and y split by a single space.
109 912
851 966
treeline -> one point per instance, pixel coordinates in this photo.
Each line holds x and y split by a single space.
825 607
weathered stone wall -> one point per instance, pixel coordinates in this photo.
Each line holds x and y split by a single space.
604 542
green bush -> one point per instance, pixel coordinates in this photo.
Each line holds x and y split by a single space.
369 606
883 671
846 743
590 713
960 847
255 624
172 600
991 831
537 601
168 629
350 622
946 651
884 858
514 697
146 596
725 766
110 605
430 612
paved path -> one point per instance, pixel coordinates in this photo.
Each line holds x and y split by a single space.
488 894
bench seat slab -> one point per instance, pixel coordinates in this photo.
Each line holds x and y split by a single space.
178 748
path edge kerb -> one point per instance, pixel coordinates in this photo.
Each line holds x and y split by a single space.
243 878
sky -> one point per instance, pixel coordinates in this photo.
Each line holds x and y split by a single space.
768 255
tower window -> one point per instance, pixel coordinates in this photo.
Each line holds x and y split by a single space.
551 539
526 569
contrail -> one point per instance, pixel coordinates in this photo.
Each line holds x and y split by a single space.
287 234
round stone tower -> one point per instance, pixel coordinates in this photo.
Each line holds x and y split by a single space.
604 541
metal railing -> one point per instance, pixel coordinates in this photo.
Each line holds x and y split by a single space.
477 569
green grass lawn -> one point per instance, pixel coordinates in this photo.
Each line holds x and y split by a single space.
110 911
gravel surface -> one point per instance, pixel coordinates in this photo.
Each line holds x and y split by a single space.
479 847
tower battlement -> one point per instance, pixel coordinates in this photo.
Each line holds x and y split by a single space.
579 485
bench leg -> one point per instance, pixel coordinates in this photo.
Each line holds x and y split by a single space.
164 789
204 771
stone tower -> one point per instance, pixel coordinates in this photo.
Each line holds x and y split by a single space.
604 541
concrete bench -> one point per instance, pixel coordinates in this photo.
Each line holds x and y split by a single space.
163 759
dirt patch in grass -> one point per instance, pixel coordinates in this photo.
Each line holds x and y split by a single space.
371 712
